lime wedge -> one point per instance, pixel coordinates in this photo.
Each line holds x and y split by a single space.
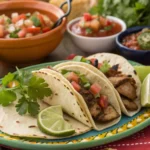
51 121
142 71
145 92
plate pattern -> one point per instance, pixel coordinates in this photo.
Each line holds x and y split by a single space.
127 126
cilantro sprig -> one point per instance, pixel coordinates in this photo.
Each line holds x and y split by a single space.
28 90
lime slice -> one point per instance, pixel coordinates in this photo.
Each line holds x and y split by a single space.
145 92
51 121
142 71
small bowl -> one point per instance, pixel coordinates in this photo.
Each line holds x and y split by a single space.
95 44
141 56
31 49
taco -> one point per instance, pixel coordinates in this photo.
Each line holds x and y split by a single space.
96 96
120 75
14 124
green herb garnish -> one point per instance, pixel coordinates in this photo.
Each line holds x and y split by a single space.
81 59
105 67
8 21
88 31
36 21
26 93
108 28
133 12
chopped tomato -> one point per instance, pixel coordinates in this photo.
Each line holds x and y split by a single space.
76 86
108 23
22 33
92 60
103 101
87 17
46 29
15 19
34 30
71 56
2 20
99 65
41 19
95 89
73 77
22 16
2 33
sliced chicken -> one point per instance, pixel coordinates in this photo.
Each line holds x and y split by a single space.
116 81
128 90
130 105
95 110
109 114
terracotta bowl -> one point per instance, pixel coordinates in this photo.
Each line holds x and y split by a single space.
32 49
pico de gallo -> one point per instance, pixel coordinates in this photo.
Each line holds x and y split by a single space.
138 41
95 26
98 104
124 84
24 25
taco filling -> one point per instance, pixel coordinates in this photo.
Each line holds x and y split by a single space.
98 104
124 84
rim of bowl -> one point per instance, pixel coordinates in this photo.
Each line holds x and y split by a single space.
39 35
118 20
134 30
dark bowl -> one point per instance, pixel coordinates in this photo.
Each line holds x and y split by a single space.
141 56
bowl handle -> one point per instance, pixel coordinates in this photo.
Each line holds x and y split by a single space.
58 22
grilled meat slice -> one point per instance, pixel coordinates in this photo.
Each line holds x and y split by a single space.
109 114
128 90
130 105
95 110
112 72
116 81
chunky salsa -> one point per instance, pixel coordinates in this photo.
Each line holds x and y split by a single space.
138 41
95 26
24 25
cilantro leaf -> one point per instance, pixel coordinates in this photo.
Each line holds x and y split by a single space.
105 67
7 97
36 21
22 106
8 78
38 88
33 108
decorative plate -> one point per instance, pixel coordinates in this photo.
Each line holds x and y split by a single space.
126 127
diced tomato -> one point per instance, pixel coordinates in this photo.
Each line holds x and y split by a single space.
46 29
2 20
87 17
2 33
92 60
76 86
15 19
71 56
34 30
99 65
22 16
95 89
108 23
22 33
41 20
103 101
73 77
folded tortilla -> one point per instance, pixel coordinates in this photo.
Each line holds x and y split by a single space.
126 68
106 90
14 124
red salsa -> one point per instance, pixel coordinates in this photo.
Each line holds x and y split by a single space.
95 26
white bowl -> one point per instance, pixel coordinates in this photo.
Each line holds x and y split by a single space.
95 44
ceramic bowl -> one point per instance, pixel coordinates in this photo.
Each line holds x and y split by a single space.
141 56
31 49
95 44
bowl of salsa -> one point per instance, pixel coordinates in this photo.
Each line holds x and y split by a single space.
94 33
134 44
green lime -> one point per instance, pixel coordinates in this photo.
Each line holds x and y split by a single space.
145 92
142 71
51 121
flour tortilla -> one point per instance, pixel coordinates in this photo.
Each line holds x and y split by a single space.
106 90
14 124
126 68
